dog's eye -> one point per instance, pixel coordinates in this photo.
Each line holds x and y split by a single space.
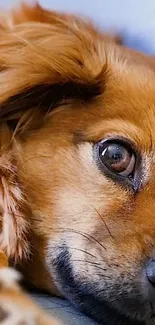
119 160
117 157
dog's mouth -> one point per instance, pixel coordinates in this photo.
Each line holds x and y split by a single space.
94 300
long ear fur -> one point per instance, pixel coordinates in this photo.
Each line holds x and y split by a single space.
14 226
44 57
56 49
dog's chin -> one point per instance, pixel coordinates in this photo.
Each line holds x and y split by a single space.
86 297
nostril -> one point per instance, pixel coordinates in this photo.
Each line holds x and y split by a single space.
150 271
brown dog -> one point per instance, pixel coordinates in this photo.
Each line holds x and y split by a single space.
77 141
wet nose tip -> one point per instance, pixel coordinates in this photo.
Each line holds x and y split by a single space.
150 271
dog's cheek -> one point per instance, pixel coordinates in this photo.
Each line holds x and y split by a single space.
108 273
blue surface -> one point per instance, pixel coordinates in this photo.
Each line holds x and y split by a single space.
62 310
135 19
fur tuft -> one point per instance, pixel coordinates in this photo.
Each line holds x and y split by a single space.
13 237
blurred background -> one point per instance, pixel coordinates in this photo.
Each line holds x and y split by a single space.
134 19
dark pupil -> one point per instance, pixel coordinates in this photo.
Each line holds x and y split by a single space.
115 156
113 153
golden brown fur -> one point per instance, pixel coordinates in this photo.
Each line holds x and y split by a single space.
63 88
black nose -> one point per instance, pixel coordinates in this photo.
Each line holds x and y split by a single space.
150 271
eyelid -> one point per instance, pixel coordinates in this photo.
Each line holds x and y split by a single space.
128 143
134 180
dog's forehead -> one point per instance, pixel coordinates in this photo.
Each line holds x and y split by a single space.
127 105
130 93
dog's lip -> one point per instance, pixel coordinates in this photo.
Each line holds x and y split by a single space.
137 306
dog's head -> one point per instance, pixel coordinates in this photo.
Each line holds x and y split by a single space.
77 116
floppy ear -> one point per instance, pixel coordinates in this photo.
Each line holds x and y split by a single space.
27 12
44 58
13 208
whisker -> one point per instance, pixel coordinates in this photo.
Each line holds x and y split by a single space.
83 251
91 263
35 157
77 249
85 235
103 222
